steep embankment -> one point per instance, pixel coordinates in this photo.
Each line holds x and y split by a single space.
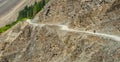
66 31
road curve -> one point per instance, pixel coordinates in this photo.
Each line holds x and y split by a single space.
7 5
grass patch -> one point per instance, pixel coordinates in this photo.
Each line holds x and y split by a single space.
6 27
26 13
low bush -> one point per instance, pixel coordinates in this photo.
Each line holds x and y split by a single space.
26 13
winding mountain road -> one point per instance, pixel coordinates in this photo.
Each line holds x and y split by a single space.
6 5
65 27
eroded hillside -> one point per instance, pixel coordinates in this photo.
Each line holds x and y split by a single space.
66 31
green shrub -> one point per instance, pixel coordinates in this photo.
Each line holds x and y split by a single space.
27 12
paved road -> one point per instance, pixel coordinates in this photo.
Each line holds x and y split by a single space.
6 5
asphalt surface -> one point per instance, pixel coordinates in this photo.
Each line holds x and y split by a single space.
6 5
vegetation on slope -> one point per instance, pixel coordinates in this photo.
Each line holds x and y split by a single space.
27 12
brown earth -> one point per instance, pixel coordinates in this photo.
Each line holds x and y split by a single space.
27 42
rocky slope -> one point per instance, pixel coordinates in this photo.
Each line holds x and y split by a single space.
66 31
86 14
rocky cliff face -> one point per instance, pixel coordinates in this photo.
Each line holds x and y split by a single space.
66 31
